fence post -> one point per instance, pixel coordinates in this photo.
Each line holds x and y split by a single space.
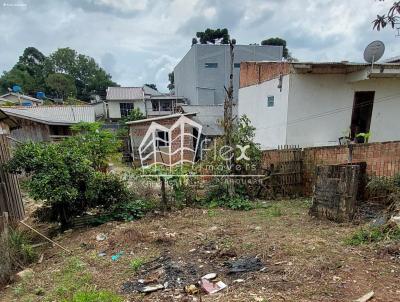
5 264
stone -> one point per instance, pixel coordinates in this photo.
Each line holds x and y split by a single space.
101 237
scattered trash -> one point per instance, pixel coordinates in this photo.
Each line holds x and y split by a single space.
210 287
209 276
151 288
238 281
102 254
117 256
101 237
192 250
366 297
246 264
191 289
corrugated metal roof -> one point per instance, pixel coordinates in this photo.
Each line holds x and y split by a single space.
124 93
158 118
53 115
22 96
6 119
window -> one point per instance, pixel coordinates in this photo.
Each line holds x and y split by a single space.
271 101
125 109
162 139
211 65
236 65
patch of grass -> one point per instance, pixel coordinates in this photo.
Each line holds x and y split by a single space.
272 211
137 263
371 235
21 248
95 296
212 213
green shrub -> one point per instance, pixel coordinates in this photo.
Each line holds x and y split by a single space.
65 175
375 234
130 210
95 296
137 263
21 247
380 187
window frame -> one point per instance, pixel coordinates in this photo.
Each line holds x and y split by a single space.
165 137
211 65
124 110
269 99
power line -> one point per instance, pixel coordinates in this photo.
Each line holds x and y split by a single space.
330 112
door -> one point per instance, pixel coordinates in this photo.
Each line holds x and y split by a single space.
362 113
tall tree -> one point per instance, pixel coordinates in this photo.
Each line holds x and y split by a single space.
392 17
212 36
63 85
277 42
171 78
89 77
28 72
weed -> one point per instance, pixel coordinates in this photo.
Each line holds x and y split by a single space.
21 247
137 263
365 236
95 296
272 211
211 213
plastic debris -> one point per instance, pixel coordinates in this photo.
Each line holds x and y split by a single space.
101 237
366 297
117 256
102 254
209 276
210 287
246 264
238 281
151 288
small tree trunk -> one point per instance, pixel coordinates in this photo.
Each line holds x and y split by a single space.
228 118
164 202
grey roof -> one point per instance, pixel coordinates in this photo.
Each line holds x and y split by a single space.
209 116
158 118
124 93
53 115
150 91
23 96
7 120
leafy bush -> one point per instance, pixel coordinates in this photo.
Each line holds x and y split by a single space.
129 211
21 247
380 188
375 234
64 176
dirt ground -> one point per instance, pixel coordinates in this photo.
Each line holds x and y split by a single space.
304 259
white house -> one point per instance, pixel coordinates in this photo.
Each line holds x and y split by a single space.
19 99
314 104
120 101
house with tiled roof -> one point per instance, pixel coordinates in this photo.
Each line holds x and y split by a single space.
120 101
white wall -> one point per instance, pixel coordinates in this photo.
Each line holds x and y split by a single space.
270 122
320 108
385 121
313 116
114 108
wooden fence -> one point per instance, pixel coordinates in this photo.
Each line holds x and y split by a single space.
285 166
5 259
10 194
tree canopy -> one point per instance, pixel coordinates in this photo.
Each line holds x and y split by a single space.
211 36
391 17
277 42
64 72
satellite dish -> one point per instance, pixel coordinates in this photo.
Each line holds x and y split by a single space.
374 51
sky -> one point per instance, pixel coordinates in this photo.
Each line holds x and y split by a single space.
140 41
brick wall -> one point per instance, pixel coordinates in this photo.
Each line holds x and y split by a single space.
138 130
252 73
382 159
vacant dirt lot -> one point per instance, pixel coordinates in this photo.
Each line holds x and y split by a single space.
303 259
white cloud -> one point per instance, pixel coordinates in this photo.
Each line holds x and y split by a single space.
140 41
